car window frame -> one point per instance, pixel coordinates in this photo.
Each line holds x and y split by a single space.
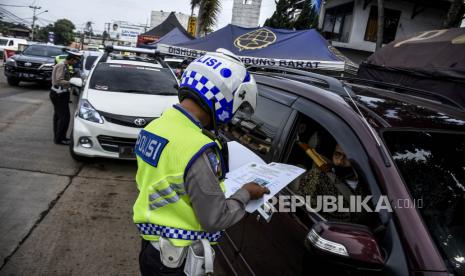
277 96
396 261
341 133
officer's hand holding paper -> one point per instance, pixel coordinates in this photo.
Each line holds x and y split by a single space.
245 167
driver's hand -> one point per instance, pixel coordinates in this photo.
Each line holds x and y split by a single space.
255 191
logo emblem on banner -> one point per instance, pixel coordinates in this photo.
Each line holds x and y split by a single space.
253 40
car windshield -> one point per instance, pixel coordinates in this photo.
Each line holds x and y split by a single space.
43 51
174 64
432 165
133 79
3 42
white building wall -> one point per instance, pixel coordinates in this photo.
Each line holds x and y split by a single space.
157 17
428 19
246 15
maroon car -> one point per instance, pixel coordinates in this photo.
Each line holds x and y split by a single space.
403 145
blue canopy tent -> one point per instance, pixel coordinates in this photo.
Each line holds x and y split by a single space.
174 37
265 46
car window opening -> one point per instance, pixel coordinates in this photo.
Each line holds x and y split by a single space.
257 131
329 172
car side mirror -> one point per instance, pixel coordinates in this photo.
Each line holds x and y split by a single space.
346 243
76 82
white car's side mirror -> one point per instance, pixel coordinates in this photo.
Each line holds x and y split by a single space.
76 82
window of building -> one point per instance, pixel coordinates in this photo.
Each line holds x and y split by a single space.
338 22
247 2
391 21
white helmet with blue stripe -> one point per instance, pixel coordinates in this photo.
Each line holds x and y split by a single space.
221 82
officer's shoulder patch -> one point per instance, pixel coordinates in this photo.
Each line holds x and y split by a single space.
214 161
149 147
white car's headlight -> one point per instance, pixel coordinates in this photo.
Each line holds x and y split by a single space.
10 61
88 112
47 66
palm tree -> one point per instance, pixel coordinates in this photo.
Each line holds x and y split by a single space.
208 12
194 4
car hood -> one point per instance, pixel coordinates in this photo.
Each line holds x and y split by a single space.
37 59
129 104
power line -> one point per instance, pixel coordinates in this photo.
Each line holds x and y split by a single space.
12 17
34 17
16 6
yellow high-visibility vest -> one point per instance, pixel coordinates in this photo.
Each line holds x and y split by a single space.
165 150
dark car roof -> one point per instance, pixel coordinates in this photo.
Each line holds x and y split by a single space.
388 109
384 109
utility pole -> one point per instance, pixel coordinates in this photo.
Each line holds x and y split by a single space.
34 18
380 32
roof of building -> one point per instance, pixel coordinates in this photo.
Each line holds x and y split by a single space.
166 26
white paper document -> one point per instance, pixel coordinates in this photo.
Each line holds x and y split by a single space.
240 155
275 176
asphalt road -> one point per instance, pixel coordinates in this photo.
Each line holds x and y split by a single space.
58 216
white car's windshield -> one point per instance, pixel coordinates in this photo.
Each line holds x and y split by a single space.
133 79
3 42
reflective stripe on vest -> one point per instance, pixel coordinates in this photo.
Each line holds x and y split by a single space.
174 233
164 196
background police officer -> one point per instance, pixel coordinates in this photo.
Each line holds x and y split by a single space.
181 166
59 95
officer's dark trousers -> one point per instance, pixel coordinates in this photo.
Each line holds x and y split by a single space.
61 115
150 263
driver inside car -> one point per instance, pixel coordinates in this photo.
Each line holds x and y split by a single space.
332 176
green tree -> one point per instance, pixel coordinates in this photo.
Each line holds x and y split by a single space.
308 17
63 29
208 13
282 17
194 4
42 33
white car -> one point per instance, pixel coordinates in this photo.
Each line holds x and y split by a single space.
121 95
11 43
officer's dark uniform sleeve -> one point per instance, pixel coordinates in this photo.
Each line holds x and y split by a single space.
213 210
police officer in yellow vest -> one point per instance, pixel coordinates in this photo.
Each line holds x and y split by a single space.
181 207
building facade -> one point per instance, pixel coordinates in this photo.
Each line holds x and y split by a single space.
352 24
246 13
157 17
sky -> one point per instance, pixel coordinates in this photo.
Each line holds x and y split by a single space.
102 11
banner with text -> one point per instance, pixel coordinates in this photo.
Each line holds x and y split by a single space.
259 61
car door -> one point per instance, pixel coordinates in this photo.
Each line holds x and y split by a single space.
261 133
278 247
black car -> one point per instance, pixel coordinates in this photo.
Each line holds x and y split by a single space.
35 63
403 147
